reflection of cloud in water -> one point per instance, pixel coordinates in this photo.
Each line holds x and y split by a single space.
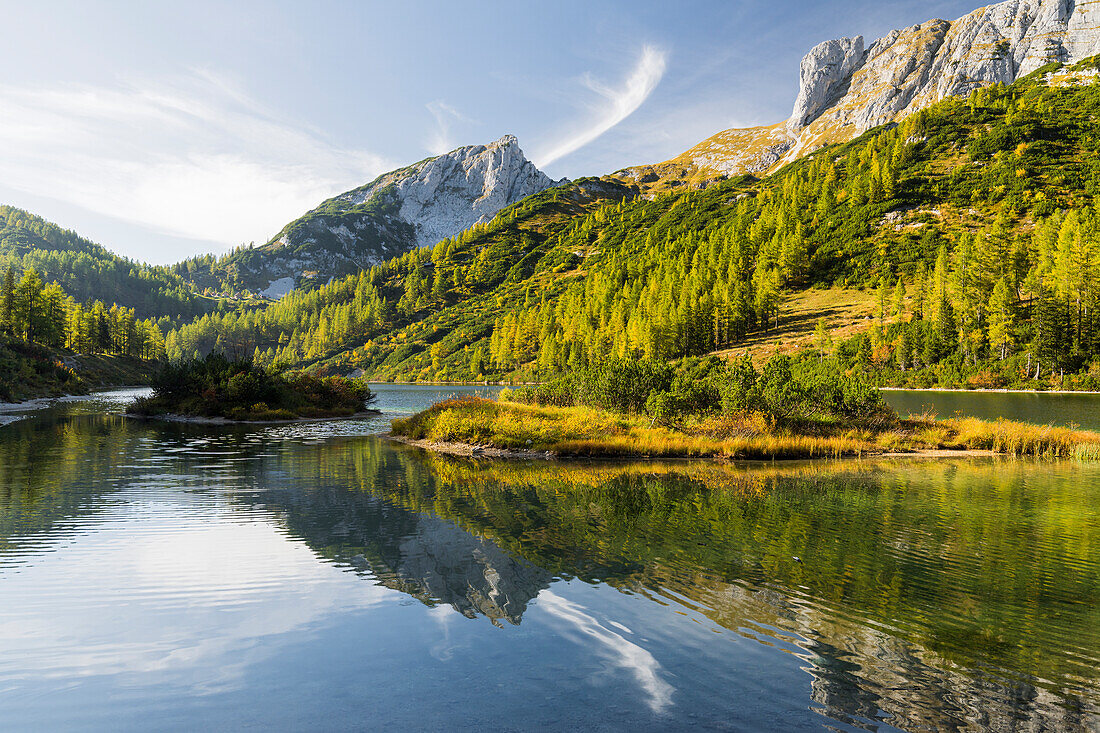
626 654
201 600
444 649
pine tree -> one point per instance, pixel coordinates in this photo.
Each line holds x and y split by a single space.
898 311
7 303
1001 319
28 306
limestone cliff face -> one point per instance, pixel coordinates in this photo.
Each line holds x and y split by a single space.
825 73
846 88
443 196
415 206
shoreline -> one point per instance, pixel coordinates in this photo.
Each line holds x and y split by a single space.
37 403
959 390
199 420
470 450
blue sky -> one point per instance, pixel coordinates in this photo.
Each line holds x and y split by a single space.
167 129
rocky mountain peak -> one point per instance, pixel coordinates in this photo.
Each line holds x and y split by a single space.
846 87
411 207
449 193
825 72
911 68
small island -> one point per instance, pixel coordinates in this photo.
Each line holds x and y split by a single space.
806 406
219 389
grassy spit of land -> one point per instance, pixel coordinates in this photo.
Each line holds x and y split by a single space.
592 432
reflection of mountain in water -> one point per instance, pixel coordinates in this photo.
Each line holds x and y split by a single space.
470 573
862 674
419 554
900 616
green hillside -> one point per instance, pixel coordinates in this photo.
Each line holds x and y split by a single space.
88 271
972 223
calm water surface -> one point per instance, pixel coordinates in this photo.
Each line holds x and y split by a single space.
157 576
1081 410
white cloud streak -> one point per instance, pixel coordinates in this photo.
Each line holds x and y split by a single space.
625 654
192 157
617 104
440 140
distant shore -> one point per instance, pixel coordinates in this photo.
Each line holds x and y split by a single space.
37 403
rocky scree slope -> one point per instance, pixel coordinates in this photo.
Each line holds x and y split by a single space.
847 87
412 207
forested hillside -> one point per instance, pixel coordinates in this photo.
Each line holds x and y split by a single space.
974 221
50 344
36 312
465 290
87 271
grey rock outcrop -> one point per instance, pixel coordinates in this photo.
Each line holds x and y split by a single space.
448 194
910 69
826 70
412 207
846 88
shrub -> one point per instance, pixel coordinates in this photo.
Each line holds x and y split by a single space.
738 387
783 396
557 393
623 385
986 380
687 397
240 390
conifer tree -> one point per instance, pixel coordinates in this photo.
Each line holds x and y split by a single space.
1001 319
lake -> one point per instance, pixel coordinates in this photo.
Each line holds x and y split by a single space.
1044 408
158 576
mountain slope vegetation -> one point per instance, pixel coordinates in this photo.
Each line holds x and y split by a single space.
973 222
88 271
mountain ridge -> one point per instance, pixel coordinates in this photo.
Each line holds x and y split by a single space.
847 87
411 207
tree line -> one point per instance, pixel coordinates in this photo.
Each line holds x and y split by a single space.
37 312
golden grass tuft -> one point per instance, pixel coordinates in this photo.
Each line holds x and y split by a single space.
584 431
1023 439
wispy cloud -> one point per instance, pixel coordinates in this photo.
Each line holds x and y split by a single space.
616 105
440 140
193 156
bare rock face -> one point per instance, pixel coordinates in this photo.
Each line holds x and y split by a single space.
846 89
922 64
826 71
412 207
443 196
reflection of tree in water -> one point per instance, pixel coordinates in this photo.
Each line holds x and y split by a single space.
58 469
920 593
